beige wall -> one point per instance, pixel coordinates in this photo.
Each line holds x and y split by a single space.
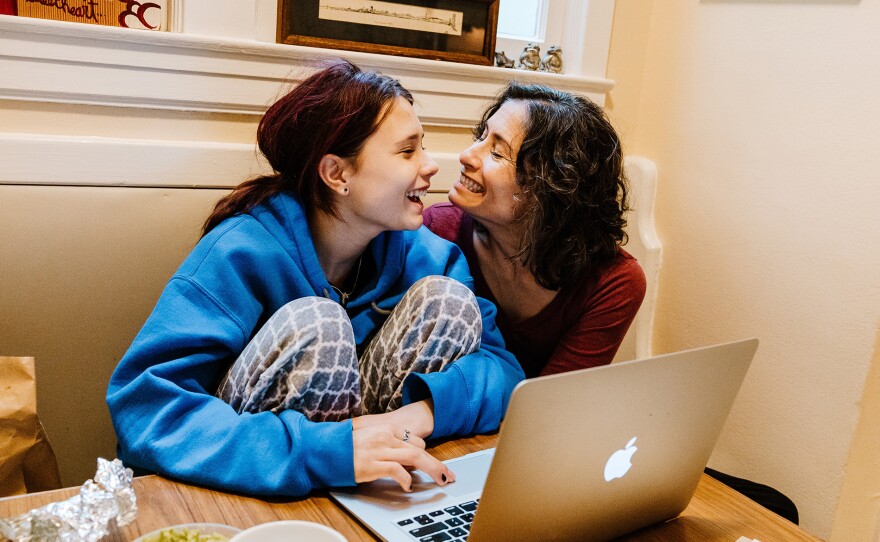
763 120
82 268
858 515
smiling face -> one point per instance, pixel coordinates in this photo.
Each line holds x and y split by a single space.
487 188
390 175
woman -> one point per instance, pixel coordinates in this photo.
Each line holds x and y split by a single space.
306 309
539 212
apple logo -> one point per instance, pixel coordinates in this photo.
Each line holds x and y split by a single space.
620 461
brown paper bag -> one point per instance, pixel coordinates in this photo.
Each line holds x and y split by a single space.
27 462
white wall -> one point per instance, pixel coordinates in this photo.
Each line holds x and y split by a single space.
763 119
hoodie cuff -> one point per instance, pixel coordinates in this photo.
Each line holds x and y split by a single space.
445 389
328 453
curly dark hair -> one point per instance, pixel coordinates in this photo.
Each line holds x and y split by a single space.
573 188
333 111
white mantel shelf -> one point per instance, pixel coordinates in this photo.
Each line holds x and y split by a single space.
51 61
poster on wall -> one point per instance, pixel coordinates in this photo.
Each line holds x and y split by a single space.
452 30
152 15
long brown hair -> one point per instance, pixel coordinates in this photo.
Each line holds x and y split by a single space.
332 111
573 189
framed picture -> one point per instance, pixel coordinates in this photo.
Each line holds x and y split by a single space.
452 30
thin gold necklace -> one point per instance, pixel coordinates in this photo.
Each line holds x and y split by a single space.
343 296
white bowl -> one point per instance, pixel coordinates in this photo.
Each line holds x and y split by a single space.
201 528
287 531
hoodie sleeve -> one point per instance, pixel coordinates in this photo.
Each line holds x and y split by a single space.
470 395
167 419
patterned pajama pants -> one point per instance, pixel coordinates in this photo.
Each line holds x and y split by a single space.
304 358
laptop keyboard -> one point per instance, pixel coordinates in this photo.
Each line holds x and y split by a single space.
448 524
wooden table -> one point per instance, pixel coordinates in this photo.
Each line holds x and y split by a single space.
716 513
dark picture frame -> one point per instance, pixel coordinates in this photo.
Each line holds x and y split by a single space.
450 30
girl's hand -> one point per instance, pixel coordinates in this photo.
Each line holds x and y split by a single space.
380 451
417 417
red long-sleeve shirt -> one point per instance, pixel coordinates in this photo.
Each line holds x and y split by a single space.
582 326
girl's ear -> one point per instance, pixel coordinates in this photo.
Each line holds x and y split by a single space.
333 170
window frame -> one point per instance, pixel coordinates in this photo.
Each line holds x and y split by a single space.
551 14
582 28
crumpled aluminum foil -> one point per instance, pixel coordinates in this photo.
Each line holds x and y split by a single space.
84 517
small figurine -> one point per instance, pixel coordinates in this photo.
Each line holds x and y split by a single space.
502 61
552 62
530 59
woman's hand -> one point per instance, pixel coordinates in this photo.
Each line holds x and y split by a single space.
380 451
417 417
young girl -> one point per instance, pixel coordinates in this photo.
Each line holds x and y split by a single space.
316 334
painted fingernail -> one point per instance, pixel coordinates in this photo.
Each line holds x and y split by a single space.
443 477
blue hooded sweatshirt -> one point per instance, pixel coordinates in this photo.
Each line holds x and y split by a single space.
161 396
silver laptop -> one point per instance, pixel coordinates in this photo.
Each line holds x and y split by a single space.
586 455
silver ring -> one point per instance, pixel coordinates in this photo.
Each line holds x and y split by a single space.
406 435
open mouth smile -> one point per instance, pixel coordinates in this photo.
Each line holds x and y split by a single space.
470 185
416 195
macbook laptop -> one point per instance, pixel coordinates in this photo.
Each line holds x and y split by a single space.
585 455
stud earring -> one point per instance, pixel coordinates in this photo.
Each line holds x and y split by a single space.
345 190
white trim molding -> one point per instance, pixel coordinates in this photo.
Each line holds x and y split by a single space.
125 162
644 244
147 163
51 61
